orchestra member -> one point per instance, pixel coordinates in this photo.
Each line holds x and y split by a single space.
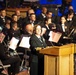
3 17
27 32
9 60
63 27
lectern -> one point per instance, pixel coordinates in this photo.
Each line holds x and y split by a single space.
59 60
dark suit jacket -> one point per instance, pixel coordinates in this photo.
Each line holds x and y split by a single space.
64 34
3 55
2 23
12 60
14 33
59 28
40 17
35 42
27 21
46 35
37 58
35 22
72 23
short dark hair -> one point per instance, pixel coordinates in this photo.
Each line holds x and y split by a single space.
2 9
71 11
49 11
13 15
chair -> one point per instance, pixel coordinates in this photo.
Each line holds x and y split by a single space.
4 67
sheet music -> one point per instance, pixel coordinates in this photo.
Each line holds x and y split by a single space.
25 42
13 43
54 36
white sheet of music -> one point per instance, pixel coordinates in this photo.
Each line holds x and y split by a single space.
54 36
13 43
25 42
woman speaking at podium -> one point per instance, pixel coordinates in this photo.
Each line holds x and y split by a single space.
37 42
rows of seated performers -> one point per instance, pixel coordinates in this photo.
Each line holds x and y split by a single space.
38 28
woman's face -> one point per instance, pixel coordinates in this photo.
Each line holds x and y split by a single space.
49 21
63 20
15 18
38 30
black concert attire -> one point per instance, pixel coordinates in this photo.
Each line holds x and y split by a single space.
37 63
28 21
46 35
41 17
14 33
25 20
20 22
71 22
72 27
5 31
12 60
3 20
64 29
50 27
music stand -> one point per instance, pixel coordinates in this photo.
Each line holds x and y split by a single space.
54 37
24 43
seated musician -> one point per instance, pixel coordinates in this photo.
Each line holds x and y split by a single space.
27 32
14 30
37 41
63 27
9 60
5 31
19 18
49 26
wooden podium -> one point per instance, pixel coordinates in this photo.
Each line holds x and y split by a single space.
59 60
